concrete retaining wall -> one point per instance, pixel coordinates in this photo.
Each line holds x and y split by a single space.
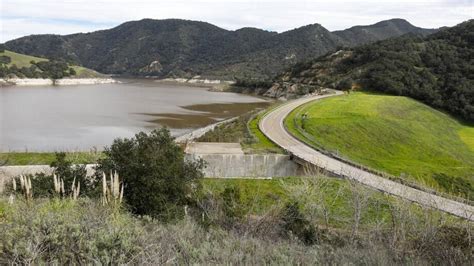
218 166
8 172
248 165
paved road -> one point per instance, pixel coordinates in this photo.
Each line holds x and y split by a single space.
272 126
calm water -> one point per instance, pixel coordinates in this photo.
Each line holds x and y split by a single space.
52 118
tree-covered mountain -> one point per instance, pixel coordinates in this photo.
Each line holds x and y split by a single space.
358 35
437 69
182 48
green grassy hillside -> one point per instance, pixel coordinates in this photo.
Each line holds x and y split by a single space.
394 134
22 60
436 70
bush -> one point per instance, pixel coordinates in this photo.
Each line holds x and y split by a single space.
296 224
72 72
5 60
43 184
455 185
158 181
65 232
345 85
233 207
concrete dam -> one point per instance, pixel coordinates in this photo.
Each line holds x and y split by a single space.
225 160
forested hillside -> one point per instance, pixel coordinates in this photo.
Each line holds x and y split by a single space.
437 69
181 48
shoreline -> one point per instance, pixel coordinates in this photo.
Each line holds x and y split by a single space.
214 85
59 82
197 81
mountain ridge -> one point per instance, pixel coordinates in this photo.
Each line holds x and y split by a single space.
186 48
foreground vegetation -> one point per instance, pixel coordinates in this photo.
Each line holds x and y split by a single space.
238 222
146 204
84 231
394 134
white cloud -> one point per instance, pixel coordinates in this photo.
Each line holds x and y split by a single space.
24 17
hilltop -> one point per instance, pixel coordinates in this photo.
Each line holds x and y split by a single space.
183 48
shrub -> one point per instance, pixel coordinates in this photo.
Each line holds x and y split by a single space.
72 72
296 224
455 185
43 185
158 181
5 60
68 232
233 207
345 85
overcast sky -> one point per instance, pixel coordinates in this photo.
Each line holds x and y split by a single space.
25 17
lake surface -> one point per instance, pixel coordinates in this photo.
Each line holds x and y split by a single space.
58 118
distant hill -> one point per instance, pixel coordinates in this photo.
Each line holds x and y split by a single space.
383 30
437 69
182 48
21 65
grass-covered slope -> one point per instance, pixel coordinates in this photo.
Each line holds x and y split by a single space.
46 158
21 60
394 134
24 61
436 70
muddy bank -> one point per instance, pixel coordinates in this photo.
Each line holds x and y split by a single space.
200 115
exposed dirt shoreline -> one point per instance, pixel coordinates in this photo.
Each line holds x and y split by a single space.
46 82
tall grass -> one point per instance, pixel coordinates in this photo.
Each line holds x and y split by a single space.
317 220
84 231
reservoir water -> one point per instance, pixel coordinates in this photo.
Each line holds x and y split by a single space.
82 117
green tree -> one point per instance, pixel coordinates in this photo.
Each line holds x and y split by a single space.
72 72
296 224
5 60
345 85
233 206
158 181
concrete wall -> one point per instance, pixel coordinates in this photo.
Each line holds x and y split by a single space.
249 165
218 165
8 172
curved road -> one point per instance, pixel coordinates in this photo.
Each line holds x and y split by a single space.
272 126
